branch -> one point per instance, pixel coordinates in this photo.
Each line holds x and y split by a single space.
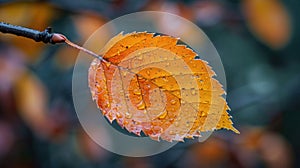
45 36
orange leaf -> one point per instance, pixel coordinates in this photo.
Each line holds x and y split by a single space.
149 83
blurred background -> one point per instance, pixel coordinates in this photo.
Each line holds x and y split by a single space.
258 42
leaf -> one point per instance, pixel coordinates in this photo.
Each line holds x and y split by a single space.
32 100
269 21
150 83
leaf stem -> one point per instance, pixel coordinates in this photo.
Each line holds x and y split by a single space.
84 49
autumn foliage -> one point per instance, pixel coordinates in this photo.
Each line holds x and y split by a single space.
150 83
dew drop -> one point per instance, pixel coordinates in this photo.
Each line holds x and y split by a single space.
128 115
173 101
137 92
118 115
141 106
163 115
147 86
140 77
110 116
193 92
107 105
165 79
107 64
171 132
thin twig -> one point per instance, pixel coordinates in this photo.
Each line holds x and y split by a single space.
45 36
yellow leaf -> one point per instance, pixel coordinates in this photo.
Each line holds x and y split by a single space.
150 83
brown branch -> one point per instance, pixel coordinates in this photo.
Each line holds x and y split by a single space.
45 36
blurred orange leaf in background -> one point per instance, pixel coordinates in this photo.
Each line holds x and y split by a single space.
150 83
32 102
269 21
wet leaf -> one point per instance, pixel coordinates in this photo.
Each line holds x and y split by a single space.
150 83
